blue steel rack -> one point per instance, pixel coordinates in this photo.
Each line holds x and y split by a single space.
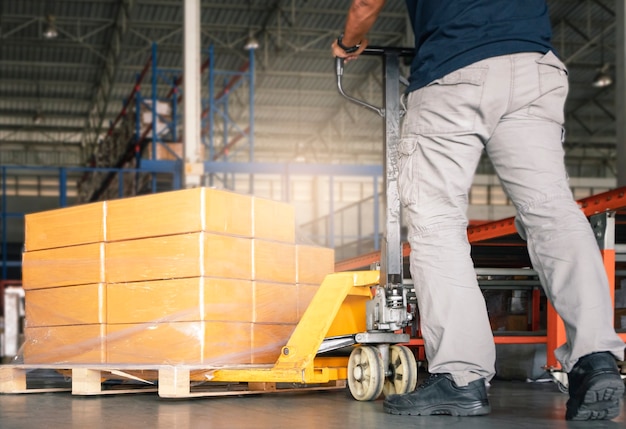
216 108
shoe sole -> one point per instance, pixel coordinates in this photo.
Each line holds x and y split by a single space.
470 410
601 401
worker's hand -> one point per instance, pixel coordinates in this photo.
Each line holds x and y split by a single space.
340 53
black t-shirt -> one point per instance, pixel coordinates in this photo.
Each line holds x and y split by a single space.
451 34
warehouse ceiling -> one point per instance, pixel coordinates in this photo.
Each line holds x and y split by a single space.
58 96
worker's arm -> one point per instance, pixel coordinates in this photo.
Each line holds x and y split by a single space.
361 17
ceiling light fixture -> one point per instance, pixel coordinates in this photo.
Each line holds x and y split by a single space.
602 78
51 30
252 43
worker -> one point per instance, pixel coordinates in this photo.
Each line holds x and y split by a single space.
485 76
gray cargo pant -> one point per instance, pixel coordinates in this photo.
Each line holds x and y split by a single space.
512 107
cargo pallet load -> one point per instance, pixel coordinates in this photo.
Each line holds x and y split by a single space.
202 292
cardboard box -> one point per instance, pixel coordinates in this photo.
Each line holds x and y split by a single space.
161 128
305 295
180 300
69 226
65 266
274 220
188 343
179 212
65 344
274 262
69 305
268 341
275 303
166 151
163 108
517 322
228 213
313 263
179 256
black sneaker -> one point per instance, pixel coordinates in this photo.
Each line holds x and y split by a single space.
595 388
439 395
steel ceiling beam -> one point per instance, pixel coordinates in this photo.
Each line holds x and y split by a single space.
28 113
252 8
42 128
29 144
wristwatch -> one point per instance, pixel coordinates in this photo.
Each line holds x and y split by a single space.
347 49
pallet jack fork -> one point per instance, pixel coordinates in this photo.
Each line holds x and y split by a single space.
363 312
336 320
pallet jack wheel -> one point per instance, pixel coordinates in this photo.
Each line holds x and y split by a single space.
562 387
366 375
402 376
561 380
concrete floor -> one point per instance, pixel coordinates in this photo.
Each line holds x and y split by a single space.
514 405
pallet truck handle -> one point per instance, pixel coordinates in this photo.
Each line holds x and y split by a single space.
339 73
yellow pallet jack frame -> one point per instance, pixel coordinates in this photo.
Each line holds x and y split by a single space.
338 308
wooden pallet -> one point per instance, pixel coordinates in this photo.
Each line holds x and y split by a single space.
167 381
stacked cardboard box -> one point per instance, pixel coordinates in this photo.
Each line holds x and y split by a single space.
64 281
198 276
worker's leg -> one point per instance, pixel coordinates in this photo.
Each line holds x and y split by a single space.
438 155
526 150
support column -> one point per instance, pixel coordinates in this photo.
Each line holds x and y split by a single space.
620 90
193 153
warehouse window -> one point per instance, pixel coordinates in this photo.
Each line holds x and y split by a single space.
497 196
300 191
479 195
580 193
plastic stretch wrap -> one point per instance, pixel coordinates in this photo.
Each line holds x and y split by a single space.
193 277
63 266
179 212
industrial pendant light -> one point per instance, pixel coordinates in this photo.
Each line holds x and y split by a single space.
51 29
602 78
252 42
